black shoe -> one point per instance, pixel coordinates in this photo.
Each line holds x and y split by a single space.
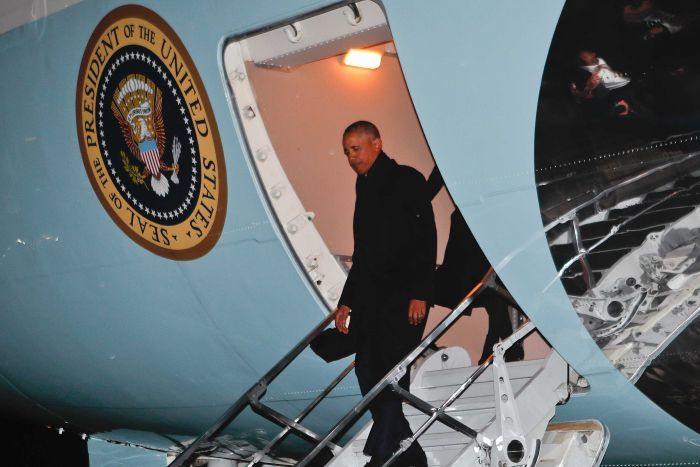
323 458
413 457
516 353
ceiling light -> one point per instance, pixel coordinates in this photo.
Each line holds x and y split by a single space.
363 58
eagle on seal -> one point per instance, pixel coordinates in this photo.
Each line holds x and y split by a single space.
137 105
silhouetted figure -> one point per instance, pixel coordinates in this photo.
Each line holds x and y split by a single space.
463 266
655 21
610 90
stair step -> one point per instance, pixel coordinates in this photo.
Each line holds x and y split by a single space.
603 260
456 376
687 182
630 239
531 381
562 253
658 218
569 444
683 199
440 448
576 285
629 211
597 229
657 195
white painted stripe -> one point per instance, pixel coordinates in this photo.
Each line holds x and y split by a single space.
152 161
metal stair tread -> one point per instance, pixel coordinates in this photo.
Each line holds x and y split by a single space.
517 370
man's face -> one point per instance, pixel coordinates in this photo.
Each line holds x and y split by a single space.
361 150
588 57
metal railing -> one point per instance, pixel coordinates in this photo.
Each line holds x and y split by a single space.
595 200
253 396
438 413
572 217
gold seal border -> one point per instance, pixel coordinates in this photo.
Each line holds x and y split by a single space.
214 233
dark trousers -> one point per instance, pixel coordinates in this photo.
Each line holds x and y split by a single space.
377 353
500 326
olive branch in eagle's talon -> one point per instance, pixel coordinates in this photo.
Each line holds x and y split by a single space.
132 171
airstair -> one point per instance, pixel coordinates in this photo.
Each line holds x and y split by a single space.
493 414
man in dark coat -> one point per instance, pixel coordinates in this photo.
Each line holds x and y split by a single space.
390 283
463 266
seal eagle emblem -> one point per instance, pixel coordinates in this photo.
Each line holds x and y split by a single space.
138 107
148 137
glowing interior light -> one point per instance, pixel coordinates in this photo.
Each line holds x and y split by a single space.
363 58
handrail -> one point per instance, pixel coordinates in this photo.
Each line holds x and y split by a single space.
582 251
588 275
399 370
438 413
258 456
572 216
253 394
569 215
257 391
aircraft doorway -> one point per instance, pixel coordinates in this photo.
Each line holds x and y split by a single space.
295 96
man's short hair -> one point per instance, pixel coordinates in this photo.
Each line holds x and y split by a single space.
362 126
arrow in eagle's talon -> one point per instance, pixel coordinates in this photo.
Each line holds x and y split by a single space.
177 147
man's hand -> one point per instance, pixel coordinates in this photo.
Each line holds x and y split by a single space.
341 318
653 32
623 108
574 89
416 311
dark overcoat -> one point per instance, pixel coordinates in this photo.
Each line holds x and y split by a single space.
395 249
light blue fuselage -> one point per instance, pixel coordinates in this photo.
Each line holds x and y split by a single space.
99 332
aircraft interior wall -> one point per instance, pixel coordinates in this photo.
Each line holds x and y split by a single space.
305 110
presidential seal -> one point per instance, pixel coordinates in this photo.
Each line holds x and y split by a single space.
148 137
